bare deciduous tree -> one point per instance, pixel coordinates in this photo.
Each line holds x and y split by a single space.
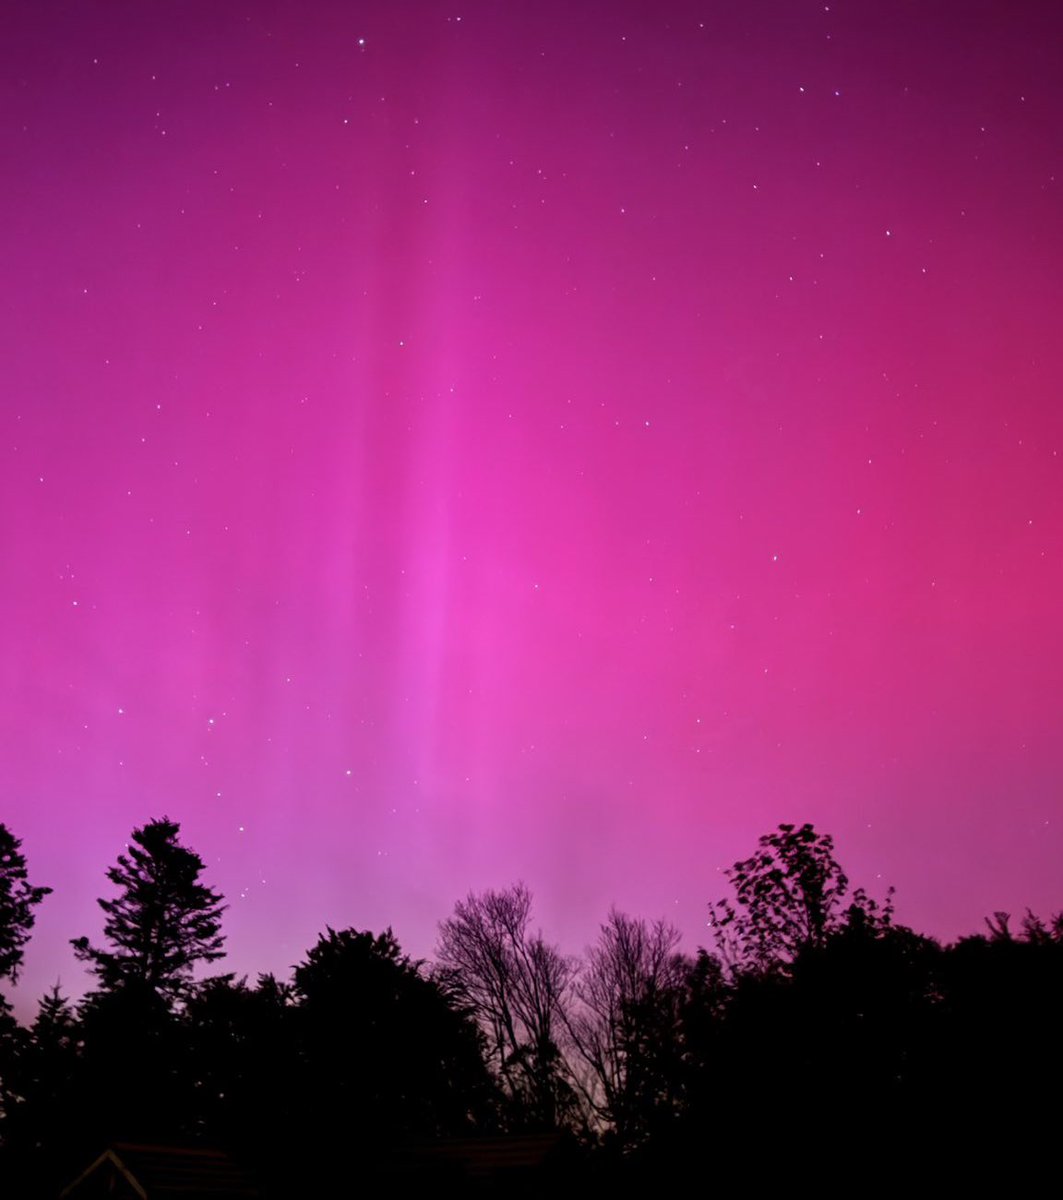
517 984
624 1023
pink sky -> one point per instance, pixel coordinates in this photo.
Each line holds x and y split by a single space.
557 444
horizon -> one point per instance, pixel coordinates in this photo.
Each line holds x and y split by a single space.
24 1004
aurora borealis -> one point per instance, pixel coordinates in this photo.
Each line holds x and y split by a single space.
442 445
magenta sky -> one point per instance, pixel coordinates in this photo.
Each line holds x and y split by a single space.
444 444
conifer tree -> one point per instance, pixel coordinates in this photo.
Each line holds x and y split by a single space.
162 922
55 1025
17 900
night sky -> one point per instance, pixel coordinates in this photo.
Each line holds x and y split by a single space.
447 444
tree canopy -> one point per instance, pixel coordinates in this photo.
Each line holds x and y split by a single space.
789 897
817 1030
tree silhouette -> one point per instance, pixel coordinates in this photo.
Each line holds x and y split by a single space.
517 985
163 921
999 1032
624 1024
38 1102
789 898
383 1053
812 1020
244 1076
819 1031
18 898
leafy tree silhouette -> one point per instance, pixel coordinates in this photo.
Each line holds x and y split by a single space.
243 1075
998 1050
164 920
804 1023
789 898
384 1055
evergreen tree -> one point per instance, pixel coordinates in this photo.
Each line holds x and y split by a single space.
162 922
55 1025
17 900
48 1105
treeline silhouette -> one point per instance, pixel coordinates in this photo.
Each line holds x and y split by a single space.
815 1039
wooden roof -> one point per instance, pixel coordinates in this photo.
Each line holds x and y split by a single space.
165 1173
